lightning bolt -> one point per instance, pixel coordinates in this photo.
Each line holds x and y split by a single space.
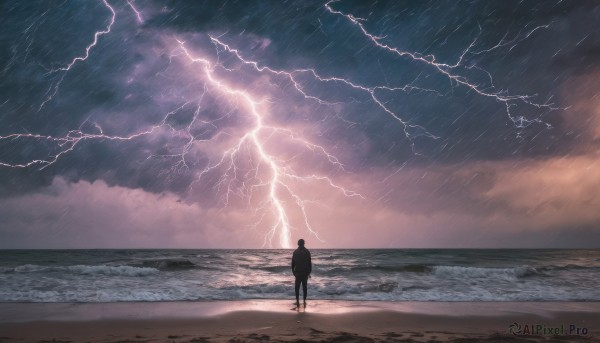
449 70
270 178
411 131
53 90
279 183
279 173
138 14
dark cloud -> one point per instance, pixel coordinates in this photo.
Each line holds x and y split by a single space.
136 74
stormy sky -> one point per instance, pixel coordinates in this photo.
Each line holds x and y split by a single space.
248 124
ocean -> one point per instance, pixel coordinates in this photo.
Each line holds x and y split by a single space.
348 274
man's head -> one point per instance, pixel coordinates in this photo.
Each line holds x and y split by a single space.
301 243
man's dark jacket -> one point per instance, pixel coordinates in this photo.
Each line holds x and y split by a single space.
301 263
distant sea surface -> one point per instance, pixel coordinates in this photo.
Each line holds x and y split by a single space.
387 275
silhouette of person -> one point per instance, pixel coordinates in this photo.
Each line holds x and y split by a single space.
301 267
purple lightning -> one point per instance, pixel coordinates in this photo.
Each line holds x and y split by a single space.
448 70
138 14
280 176
411 131
270 174
53 90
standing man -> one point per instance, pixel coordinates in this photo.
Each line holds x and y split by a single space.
301 267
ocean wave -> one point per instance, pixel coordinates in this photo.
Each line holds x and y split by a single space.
106 276
328 289
89 270
408 268
263 288
210 256
483 272
411 268
567 267
374 291
385 287
357 289
415 288
113 270
96 296
167 264
276 269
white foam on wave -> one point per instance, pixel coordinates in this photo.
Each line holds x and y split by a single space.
94 296
114 283
483 272
30 268
150 292
113 270
89 270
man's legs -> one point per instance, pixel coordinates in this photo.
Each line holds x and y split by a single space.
304 287
297 289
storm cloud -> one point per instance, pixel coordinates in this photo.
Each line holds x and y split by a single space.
352 124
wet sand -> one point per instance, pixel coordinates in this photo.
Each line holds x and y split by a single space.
278 320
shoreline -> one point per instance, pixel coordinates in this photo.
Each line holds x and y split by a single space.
14 312
274 320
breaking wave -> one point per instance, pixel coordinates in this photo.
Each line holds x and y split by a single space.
167 264
483 272
88 270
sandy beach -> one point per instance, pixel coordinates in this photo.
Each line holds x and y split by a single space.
277 320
